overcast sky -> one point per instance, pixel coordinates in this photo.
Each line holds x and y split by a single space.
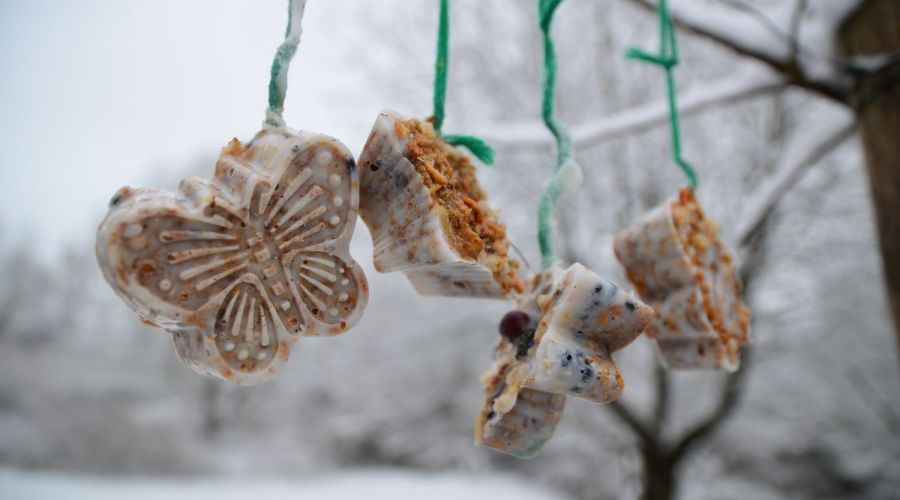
97 94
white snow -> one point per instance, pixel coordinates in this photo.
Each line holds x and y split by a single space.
748 80
741 28
370 485
806 427
801 154
727 23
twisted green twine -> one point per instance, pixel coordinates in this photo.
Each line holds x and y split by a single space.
565 164
481 149
668 59
440 64
281 63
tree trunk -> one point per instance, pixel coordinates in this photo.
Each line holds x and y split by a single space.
875 29
212 417
659 475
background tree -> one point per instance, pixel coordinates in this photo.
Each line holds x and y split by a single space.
813 413
866 80
867 85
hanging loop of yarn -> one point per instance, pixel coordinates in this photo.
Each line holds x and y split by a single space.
667 58
281 63
567 175
477 146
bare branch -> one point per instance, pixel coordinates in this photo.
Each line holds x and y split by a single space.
710 23
796 18
749 80
725 27
627 416
660 413
734 385
877 402
756 253
796 162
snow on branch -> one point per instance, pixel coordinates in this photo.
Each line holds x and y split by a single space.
802 154
801 48
730 27
747 81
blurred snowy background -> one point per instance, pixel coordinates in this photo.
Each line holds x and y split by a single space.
97 94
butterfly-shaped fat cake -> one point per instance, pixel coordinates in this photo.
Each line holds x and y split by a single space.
557 343
237 268
677 263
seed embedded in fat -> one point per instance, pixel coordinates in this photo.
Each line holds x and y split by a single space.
132 230
243 354
334 180
343 297
261 356
229 346
165 285
333 312
345 282
338 201
335 220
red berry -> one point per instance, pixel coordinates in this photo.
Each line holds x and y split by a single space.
514 324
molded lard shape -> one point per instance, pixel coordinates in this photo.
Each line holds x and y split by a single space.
677 263
576 320
427 215
238 267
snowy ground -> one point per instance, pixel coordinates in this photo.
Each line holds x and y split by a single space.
370 485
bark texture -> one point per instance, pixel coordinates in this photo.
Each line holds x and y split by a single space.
875 29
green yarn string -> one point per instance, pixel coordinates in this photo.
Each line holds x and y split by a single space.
668 59
478 147
281 63
440 64
555 186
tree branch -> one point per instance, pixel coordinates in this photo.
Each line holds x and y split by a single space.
660 413
707 22
627 416
796 18
734 384
878 403
796 162
747 81
748 239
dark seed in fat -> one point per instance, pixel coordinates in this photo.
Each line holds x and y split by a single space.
514 324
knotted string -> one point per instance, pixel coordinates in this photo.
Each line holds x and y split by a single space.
566 177
481 149
668 59
281 63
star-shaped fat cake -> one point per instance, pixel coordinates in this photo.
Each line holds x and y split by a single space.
557 343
